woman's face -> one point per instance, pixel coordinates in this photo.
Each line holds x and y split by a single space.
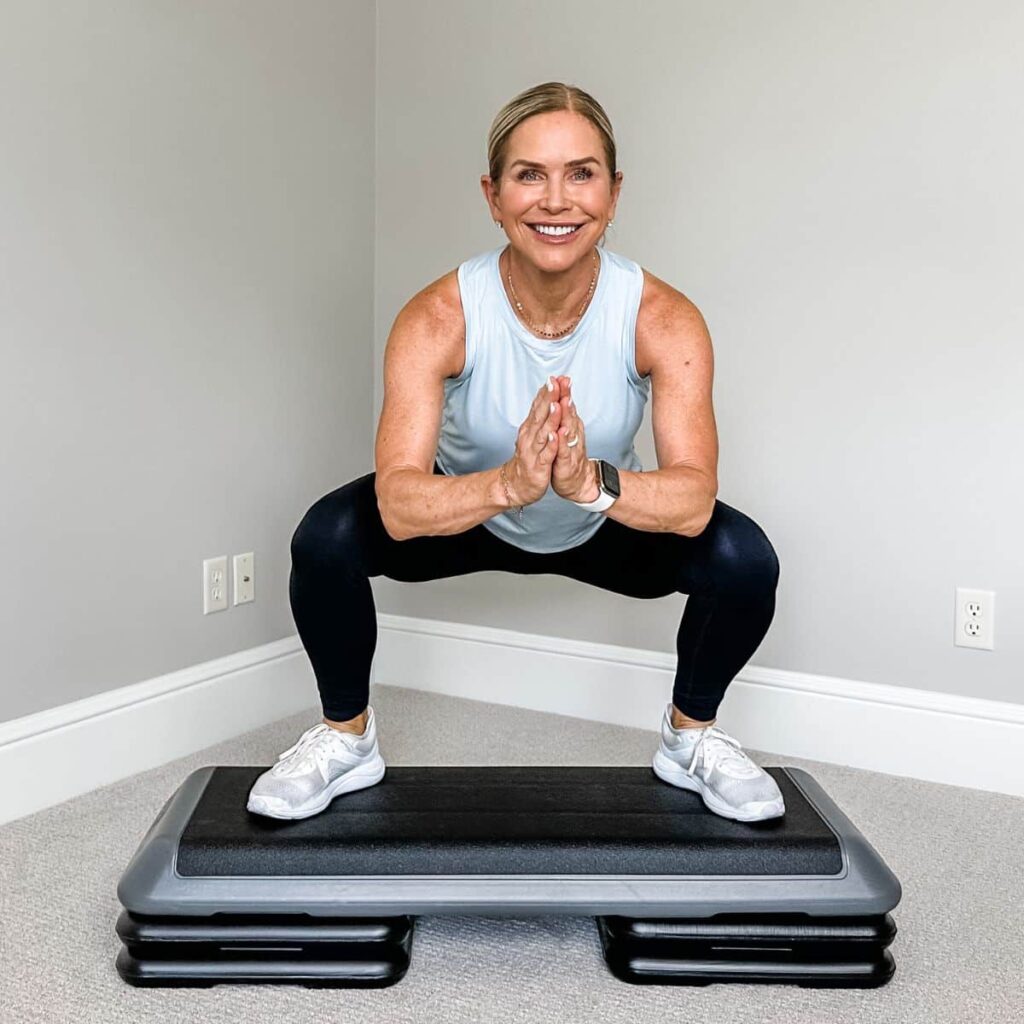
550 190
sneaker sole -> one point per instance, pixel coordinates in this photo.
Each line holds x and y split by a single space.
668 771
360 777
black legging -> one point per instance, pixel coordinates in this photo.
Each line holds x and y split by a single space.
730 572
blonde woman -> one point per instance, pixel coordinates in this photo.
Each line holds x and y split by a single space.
513 389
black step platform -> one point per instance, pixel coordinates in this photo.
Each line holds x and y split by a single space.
781 948
215 893
253 948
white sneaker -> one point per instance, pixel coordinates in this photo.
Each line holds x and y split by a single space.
321 765
711 763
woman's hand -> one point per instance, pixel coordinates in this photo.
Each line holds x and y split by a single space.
529 470
572 476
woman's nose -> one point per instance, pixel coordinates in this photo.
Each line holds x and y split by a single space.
553 195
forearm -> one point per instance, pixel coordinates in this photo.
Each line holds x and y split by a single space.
677 499
418 504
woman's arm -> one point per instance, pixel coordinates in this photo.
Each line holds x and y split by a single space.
424 347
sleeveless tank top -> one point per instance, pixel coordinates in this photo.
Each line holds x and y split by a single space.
506 364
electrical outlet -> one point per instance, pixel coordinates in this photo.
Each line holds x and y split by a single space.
975 618
245 585
215 584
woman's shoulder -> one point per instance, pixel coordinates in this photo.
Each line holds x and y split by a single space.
435 313
443 296
662 299
654 288
664 312
438 301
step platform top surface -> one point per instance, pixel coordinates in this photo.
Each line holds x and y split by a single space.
504 819
503 840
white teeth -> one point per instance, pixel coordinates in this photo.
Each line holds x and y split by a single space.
541 229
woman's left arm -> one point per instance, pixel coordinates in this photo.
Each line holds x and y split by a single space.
679 496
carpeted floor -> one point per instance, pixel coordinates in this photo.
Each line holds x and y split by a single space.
959 854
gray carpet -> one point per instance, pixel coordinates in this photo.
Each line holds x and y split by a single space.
959 854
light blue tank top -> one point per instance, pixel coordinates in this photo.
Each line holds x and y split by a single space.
506 364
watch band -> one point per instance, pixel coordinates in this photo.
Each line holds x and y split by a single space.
604 499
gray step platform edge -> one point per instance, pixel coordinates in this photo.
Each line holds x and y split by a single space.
150 884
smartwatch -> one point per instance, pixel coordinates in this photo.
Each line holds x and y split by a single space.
608 483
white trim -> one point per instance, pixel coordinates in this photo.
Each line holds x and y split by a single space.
68 750
922 734
65 751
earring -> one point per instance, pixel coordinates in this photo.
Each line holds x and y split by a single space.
497 224
610 223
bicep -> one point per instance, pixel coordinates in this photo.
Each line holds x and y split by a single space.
682 376
416 360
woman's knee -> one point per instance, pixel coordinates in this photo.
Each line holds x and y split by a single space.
335 525
743 558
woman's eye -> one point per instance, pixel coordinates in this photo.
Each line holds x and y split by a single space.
585 171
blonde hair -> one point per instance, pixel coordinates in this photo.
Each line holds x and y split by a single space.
540 100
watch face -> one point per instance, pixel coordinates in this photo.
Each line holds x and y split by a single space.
609 478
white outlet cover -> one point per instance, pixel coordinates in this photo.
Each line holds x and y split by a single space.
215 584
974 623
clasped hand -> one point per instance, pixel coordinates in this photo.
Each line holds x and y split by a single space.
572 473
543 452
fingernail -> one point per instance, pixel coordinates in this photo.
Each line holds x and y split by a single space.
551 407
551 436
551 386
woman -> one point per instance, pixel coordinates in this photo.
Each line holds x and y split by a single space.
559 491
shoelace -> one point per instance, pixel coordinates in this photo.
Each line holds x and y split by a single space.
299 758
717 748
308 737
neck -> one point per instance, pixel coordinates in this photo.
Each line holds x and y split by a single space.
551 298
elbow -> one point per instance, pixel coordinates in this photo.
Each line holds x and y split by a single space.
698 530
389 527
390 530
697 527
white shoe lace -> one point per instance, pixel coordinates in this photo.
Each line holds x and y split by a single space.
305 739
299 758
717 748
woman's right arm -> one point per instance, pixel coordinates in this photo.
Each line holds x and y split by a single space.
424 343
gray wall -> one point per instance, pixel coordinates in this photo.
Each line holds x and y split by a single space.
837 187
190 319
186 320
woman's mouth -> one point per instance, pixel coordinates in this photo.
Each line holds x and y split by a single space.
555 235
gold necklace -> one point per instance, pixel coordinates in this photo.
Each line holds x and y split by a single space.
533 326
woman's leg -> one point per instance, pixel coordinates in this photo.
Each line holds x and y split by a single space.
730 572
339 544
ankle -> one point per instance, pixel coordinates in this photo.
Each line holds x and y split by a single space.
681 721
355 725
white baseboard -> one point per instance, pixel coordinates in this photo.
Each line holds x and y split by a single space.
68 750
921 734
65 751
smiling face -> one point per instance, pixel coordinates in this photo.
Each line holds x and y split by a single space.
555 173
